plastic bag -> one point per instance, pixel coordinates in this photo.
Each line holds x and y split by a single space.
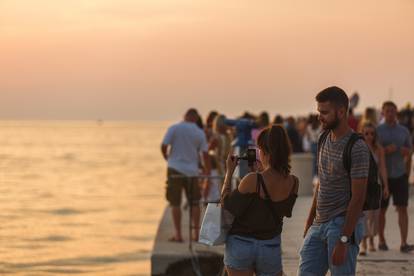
216 224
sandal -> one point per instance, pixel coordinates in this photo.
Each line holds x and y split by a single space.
383 246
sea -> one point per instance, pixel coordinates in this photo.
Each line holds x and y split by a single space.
80 197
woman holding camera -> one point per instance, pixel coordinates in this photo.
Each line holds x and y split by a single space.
259 204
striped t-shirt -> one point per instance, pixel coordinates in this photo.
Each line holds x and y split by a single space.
335 187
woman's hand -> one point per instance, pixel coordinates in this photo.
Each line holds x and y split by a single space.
231 164
386 192
206 188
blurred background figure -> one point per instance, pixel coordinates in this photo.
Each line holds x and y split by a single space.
371 217
352 120
396 140
278 120
369 116
313 130
243 127
406 118
301 124
182 147
199 122
208 128
219 148
262 121
293 134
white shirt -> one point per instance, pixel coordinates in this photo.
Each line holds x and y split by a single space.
186 141
313 134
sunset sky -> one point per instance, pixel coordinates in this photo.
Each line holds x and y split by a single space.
151 60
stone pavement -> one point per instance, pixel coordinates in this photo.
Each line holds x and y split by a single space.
391 262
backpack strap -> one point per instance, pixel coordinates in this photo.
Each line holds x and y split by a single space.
347 161
347 154
321 141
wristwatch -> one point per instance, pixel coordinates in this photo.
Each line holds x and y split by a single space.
344 239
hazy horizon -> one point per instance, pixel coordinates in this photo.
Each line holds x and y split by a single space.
151 60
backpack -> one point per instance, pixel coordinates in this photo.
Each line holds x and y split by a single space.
374 189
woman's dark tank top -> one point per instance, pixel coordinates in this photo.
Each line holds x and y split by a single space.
258 217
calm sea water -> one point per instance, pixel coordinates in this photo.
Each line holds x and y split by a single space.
79 197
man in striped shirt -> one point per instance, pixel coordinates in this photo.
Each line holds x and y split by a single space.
334 227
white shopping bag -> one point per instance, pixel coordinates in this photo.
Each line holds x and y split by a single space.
216 224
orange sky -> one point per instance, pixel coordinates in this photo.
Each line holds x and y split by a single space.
130 59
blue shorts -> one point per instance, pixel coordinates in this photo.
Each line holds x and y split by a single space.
317 249
245 253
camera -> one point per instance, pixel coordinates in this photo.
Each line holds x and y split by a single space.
249 156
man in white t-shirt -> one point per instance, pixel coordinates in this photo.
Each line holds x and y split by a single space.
181 147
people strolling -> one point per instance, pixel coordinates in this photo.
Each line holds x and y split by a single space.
371 217
396 140
181 147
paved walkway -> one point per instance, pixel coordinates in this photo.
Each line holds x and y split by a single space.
391 262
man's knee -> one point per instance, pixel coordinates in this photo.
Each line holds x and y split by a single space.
402 210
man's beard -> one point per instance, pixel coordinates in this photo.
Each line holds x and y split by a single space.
333 125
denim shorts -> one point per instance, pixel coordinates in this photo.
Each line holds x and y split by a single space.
317 249
245 253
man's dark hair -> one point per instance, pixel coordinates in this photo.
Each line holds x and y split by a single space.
389 104
335 95
278 120
192 112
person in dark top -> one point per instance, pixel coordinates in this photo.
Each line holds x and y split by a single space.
259 204
278 120
293 134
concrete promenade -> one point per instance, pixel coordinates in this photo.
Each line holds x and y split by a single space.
391 262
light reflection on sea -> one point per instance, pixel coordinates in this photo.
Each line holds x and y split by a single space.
79 197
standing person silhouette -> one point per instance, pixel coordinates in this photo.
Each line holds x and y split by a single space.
371 218
396 140
334 227
259 205
181 147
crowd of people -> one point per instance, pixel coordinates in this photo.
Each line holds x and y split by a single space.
336 231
